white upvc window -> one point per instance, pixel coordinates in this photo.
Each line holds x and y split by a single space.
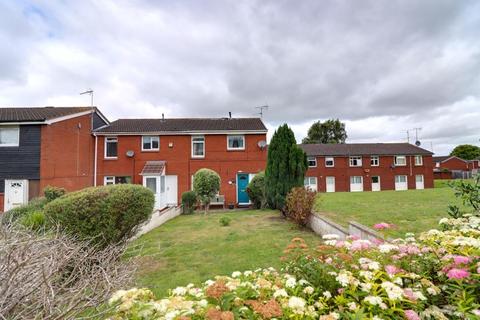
401 179
374 161
356 180
400 160
311 183
198 146
9 136
107 180
111 147
355 161
312 162
329 162
418 160
150 143
236 142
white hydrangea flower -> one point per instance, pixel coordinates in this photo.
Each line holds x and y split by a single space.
236 274
330 237
327 294
366 287
290 283
352 306
308 290
343 278
394 292
179 291
297 304
373 300
248 273
303 282
386 247
280 293
117 296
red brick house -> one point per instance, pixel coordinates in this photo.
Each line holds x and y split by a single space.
45 146
452 167
367 167
164 154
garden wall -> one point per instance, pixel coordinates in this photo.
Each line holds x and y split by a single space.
363 232
158 218
322 226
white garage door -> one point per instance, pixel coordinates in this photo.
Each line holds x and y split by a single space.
401 183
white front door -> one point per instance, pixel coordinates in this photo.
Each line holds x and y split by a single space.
376 183
356 183
171 190
401 183
164 188
330 183
16 193
419 181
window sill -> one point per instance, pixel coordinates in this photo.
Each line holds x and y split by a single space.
111 158
235 150
153 150
199 158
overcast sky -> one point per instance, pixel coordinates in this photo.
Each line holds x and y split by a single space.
381 66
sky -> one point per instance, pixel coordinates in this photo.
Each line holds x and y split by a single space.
382 67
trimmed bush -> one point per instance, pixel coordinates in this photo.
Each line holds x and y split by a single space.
104 215
225 221
52 193
15 214
206 184
256 191
189 198
299 205
34 220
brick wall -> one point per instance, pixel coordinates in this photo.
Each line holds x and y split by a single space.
342 173
454 164
1 202
176 151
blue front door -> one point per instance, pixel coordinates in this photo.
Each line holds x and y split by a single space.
242 183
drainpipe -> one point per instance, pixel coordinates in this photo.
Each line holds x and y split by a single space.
95 162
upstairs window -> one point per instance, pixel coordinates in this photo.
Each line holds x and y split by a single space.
374 161
236 142
312 162
150 143
9 136
418 160
329 162
111 148
400 160
198 146
355 161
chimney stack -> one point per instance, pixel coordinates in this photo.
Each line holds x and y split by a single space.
163 116
230 115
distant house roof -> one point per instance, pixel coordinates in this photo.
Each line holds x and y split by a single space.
351 149
176 125
40 114
445 158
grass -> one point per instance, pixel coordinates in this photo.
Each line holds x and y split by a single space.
411 211
194 248
444 183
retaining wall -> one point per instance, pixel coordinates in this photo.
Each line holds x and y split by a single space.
321 226
158 218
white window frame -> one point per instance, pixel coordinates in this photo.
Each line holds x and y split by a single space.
151 137
314 186
354 178
329 159
401 175
235 136
395 162
357 158
374 159
105 147
17 143
418 163
313 159
108 180
195 142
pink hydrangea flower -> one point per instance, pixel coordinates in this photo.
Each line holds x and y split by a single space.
461 260
458 273
411 315
392 269
360 245
409 294
382 226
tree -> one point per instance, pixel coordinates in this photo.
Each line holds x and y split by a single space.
286 166
206 184
466 151
330 131
256 190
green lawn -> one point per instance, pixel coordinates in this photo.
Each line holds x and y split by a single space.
194 248
411 211
444 183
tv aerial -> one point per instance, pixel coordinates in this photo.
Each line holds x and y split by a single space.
261 108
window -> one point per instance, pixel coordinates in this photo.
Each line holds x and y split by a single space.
355 161
111 147
374 161
236 143
418 160
400 179
198 146
151 183
312 162
9 136
150 143
116 180
310 183
400 160
356 180
329 162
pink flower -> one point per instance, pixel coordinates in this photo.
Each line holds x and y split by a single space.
411 315
340 244
458 273
382 226
360 245
478 270
461 260
392 269
409 294
377 241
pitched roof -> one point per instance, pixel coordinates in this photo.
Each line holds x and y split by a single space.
445 158
38 114
184 125
350 149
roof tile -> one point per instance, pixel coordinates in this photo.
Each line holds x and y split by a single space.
350 149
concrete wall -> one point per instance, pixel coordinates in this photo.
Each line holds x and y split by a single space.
363 232
158 218
323 226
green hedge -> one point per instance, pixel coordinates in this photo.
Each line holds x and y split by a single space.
104 215
19 213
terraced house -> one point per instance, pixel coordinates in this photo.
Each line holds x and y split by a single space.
367 167
164 154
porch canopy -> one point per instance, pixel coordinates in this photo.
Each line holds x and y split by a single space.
154 168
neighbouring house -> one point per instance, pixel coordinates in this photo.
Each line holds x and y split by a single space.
164 154
367 167
453 167
45 146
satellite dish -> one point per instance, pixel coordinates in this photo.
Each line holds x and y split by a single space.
418 143
262 144
130 153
